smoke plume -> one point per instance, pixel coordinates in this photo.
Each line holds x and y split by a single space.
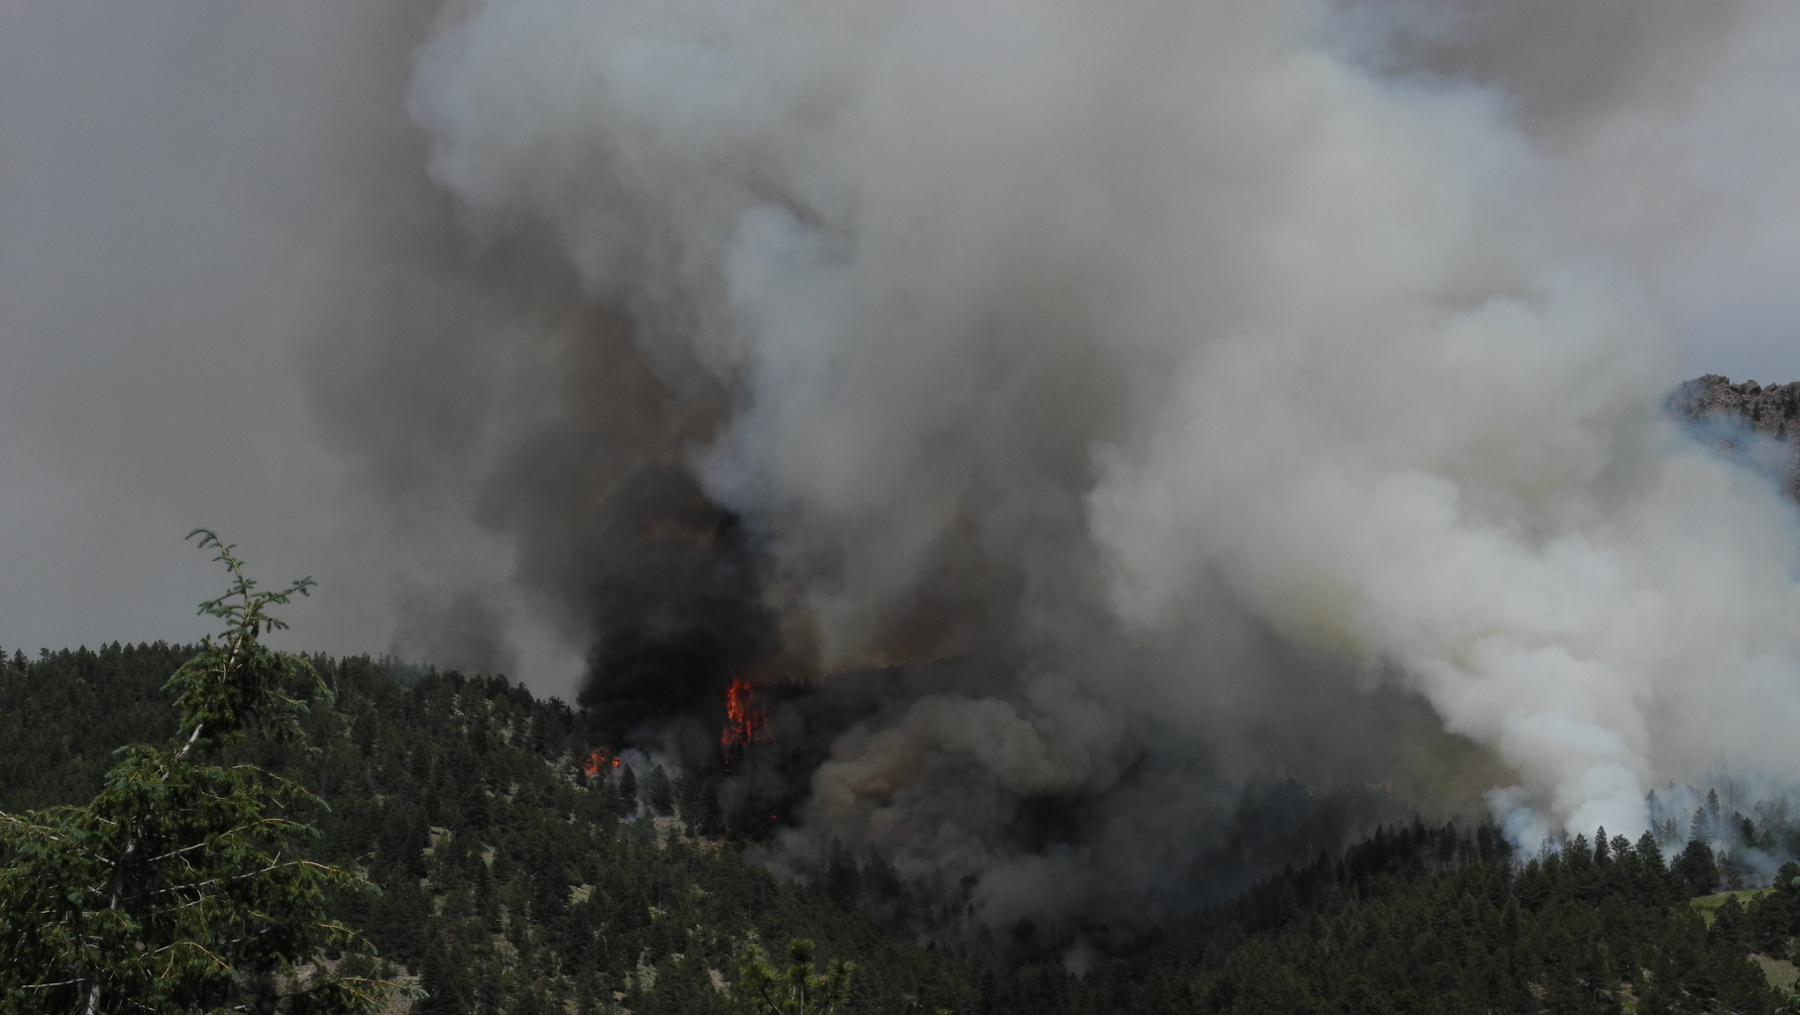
1180 366
1107 433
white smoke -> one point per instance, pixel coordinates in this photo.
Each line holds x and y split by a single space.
1147 327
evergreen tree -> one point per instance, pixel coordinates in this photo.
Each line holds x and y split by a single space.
628 792
1696 869
798 988
180 887
1652 883
662 792
1699 829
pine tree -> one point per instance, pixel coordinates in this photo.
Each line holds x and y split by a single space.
662 792
181 886
1699 829
1696 869
689 800
1653 875
796 989
628 802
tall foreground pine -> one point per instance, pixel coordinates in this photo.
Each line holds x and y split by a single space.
182 886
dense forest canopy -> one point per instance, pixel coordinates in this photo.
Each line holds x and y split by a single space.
513 881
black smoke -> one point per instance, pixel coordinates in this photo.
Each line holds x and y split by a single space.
678 613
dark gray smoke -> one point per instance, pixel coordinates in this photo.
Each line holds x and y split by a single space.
1071 417
678 606
1565 70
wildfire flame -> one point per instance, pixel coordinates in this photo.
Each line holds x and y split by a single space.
746 721
599 761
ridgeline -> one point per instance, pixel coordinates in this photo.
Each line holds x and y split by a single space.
513 882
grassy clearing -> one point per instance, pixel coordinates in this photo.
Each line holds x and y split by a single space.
1708 904
1780 973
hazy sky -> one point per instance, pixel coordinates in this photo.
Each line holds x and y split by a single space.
183 191
180 206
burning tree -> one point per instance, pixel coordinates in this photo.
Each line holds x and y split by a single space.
599 761
181 886
746 720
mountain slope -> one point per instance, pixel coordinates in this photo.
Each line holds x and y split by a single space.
514 882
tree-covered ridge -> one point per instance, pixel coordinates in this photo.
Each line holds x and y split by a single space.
513 882
509 881
64 713
1601 928
183 886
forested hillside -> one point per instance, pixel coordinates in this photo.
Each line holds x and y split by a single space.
513 881
509 881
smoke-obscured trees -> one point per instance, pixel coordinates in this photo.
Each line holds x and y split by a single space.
662 792
181 887
628 793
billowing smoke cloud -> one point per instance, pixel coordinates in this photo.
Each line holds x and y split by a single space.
1114 410
1116 344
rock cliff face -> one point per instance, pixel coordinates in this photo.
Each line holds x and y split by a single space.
1746 420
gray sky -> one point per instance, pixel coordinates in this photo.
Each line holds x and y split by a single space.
186 207
177 212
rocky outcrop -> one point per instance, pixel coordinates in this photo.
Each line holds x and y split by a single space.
1760 425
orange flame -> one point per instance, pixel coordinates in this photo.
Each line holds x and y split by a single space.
599 760
746 721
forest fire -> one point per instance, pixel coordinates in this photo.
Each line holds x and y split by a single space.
599 761
746 720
